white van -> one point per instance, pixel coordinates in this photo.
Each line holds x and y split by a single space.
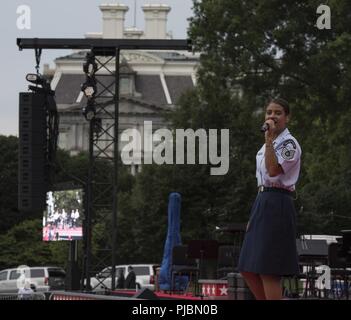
145 276
328 238
40 279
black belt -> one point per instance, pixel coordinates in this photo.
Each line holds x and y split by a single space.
272 189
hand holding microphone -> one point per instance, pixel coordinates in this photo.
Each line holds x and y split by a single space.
269 123
265 127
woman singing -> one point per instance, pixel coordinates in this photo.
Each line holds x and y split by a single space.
269 248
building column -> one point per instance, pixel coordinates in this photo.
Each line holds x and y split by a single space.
156 20
113 16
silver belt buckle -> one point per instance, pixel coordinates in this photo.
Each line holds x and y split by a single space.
260 188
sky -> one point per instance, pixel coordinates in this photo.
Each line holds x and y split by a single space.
59 19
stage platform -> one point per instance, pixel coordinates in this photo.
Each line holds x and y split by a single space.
209 290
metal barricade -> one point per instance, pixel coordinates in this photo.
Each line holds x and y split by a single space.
62 295
16 296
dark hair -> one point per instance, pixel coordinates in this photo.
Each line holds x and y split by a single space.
283 103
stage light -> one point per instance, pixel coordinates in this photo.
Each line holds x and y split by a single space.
42 85
32 77
88 91
89 111
35 78
90 66
89 88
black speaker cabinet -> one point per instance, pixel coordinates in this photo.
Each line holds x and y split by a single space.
32 166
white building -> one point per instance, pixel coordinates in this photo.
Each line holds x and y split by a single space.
151 82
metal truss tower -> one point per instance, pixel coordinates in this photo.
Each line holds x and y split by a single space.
101 193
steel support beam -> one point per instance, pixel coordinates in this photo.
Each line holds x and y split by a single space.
103 44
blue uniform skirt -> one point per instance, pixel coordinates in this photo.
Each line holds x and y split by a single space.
269 246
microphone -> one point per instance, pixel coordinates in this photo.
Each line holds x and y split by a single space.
265 127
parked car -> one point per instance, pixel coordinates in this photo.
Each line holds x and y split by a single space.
40 279
145 276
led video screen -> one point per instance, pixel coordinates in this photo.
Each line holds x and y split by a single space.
63 215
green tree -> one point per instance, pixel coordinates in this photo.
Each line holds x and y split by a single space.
273 47
9 213
23 245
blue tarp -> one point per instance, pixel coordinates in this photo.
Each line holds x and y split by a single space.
173 239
